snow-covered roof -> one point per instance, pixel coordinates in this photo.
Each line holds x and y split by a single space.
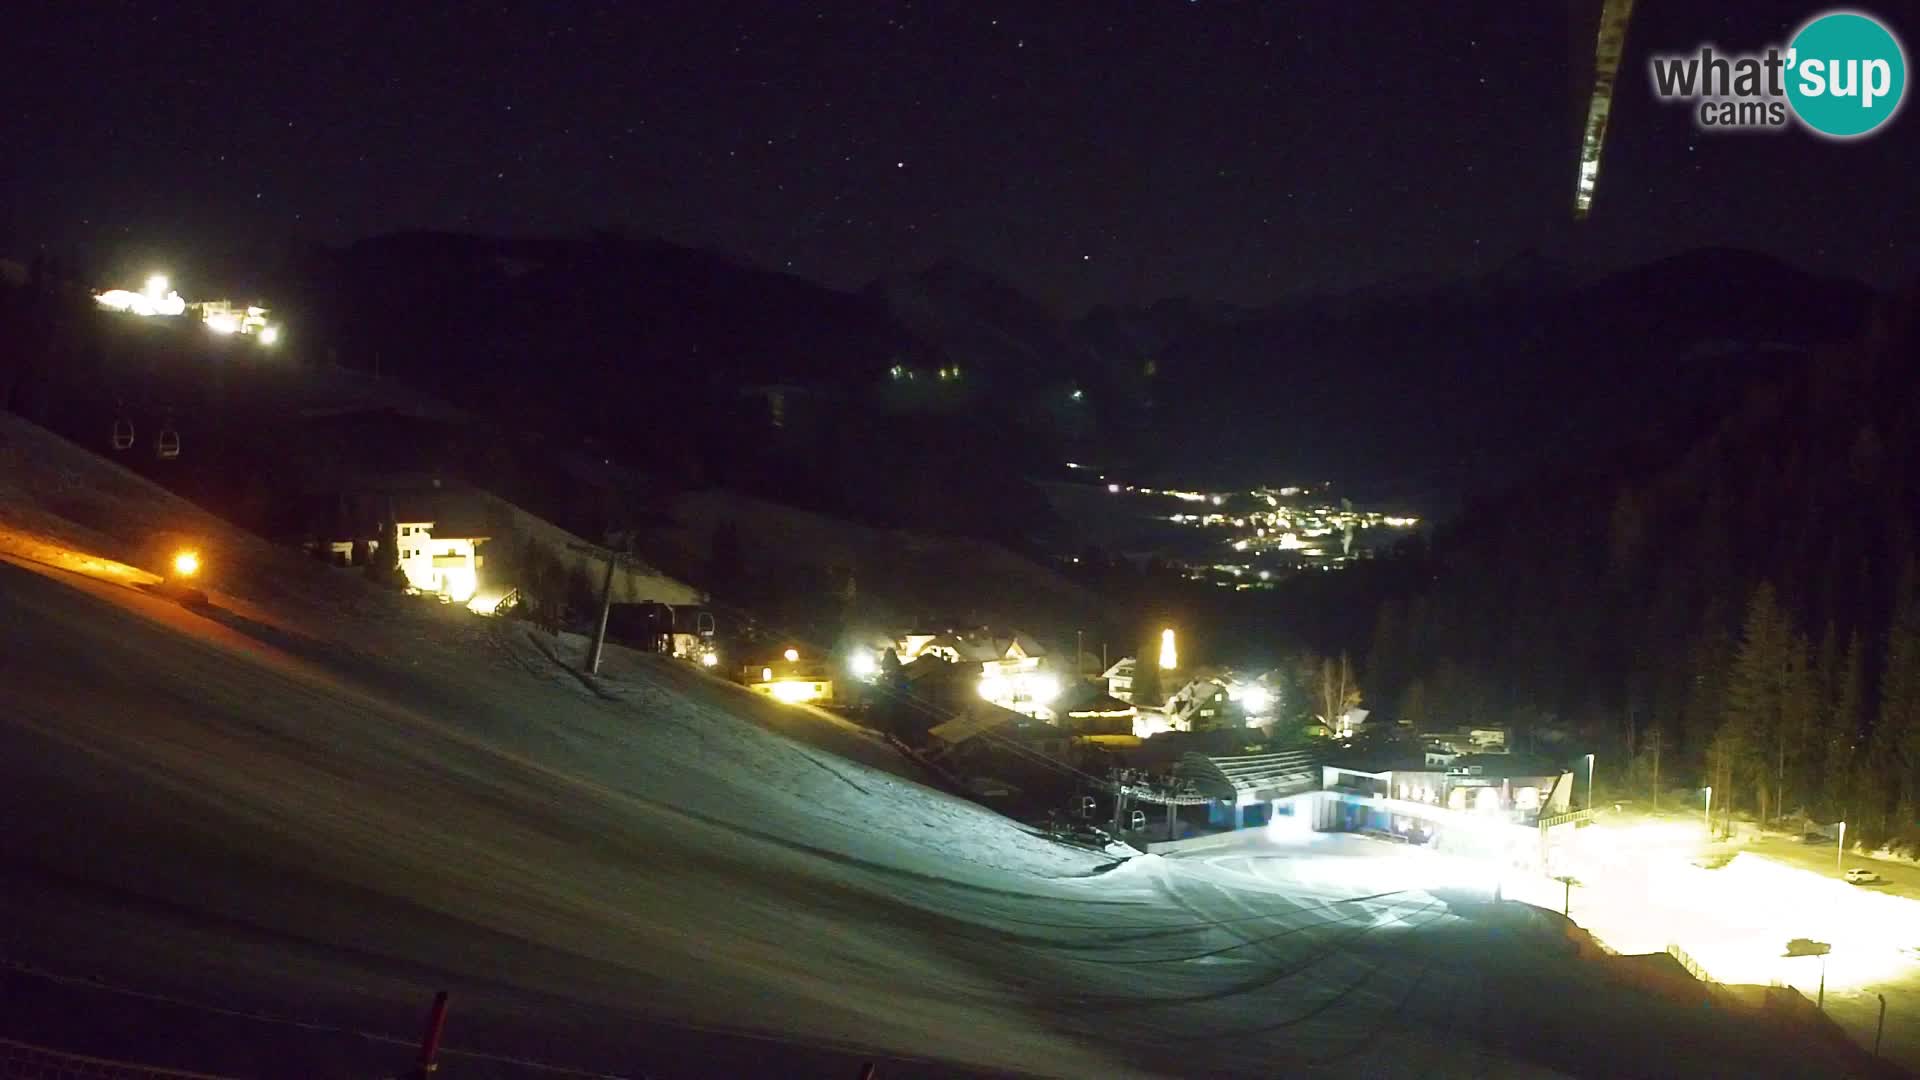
1091 698
1271 775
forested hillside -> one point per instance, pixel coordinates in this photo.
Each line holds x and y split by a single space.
1750 607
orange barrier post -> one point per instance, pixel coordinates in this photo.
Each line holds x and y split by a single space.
430 1045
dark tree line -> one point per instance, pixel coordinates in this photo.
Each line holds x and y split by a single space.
1736 595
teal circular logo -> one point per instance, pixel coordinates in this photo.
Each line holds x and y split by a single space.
1846 74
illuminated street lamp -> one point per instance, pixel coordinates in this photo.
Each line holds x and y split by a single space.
269 335
186 564
156 286
1840 850
1708 816
1589 781
792 655
1169 654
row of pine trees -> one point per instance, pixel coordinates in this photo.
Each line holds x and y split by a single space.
1805 733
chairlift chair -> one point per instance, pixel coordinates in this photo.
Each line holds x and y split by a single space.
703 624
122 433
168 444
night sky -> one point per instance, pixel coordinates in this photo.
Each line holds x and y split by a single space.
1120 151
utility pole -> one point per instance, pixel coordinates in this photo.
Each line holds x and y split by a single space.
600 628
1780 780
1656 770
606 601
1881 1026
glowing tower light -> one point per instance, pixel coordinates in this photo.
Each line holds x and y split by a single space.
1169 654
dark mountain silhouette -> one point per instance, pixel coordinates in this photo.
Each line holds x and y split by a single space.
701 370
1442 393
1744 591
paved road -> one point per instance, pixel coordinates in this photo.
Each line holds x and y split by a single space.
1902 878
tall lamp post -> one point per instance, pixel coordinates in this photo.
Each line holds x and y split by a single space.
1708 816
1589 781
1840 850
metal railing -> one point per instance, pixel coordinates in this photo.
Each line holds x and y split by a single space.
1693 966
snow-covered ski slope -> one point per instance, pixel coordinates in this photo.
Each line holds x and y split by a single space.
320 804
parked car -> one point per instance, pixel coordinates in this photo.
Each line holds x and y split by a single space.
1860 875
